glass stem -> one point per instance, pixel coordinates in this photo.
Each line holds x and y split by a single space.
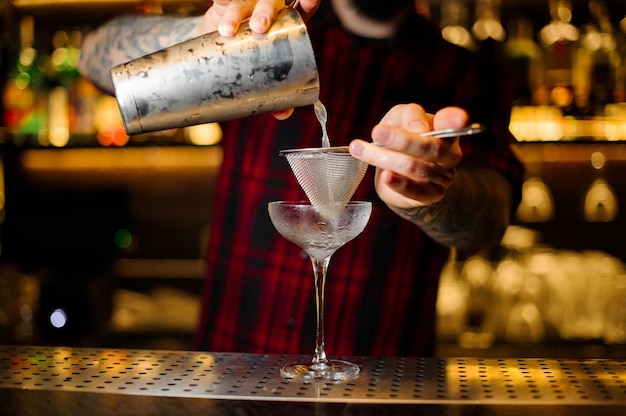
320 268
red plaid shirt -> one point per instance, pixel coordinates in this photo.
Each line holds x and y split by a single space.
382 286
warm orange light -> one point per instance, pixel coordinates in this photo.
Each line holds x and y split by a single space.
108 121
204 134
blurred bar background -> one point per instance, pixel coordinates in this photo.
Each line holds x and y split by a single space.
103 235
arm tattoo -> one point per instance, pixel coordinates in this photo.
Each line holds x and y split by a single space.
474 213
127 38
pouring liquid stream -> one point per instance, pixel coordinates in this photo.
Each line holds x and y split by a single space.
322 117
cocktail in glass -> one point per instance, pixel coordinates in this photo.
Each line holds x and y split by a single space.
320 230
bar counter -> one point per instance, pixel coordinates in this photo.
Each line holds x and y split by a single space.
95 381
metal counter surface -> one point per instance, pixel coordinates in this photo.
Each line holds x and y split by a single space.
61 380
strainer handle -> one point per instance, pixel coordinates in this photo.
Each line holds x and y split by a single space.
464 131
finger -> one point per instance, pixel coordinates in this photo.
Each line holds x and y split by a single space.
450 117
262 14
445 152
403 164
401 192
306 8
265 12
213 17
412 117
234 13
283 114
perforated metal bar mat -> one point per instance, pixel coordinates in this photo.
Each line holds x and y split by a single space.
249 377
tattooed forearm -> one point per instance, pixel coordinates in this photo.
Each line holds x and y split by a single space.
127 38
474 213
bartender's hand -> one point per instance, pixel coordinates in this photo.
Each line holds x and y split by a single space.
226 15
412 171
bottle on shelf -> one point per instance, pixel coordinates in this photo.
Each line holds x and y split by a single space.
619 94
454 23
487 24
597 61
72 98
525 62
560 39
24 97
489 33
59 73
83 96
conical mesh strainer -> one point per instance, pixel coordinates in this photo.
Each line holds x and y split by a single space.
328 175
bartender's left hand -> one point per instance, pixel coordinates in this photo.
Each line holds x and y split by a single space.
411 170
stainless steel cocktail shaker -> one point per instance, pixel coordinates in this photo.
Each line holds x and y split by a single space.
214 78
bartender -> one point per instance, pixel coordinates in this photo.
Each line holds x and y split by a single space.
386 75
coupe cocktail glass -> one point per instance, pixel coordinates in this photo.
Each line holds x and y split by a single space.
320 231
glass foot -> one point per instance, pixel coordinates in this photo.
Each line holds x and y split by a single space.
335 370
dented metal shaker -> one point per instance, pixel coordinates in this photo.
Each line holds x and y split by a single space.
214 78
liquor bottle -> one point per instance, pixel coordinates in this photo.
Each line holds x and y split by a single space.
25 108
488 24
58 97
525 62
454 23
619 94
71 98
597 61
489 32
83 97
559 39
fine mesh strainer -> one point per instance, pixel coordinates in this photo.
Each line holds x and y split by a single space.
328 175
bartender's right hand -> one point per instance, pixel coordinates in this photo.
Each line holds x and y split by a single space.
226 16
